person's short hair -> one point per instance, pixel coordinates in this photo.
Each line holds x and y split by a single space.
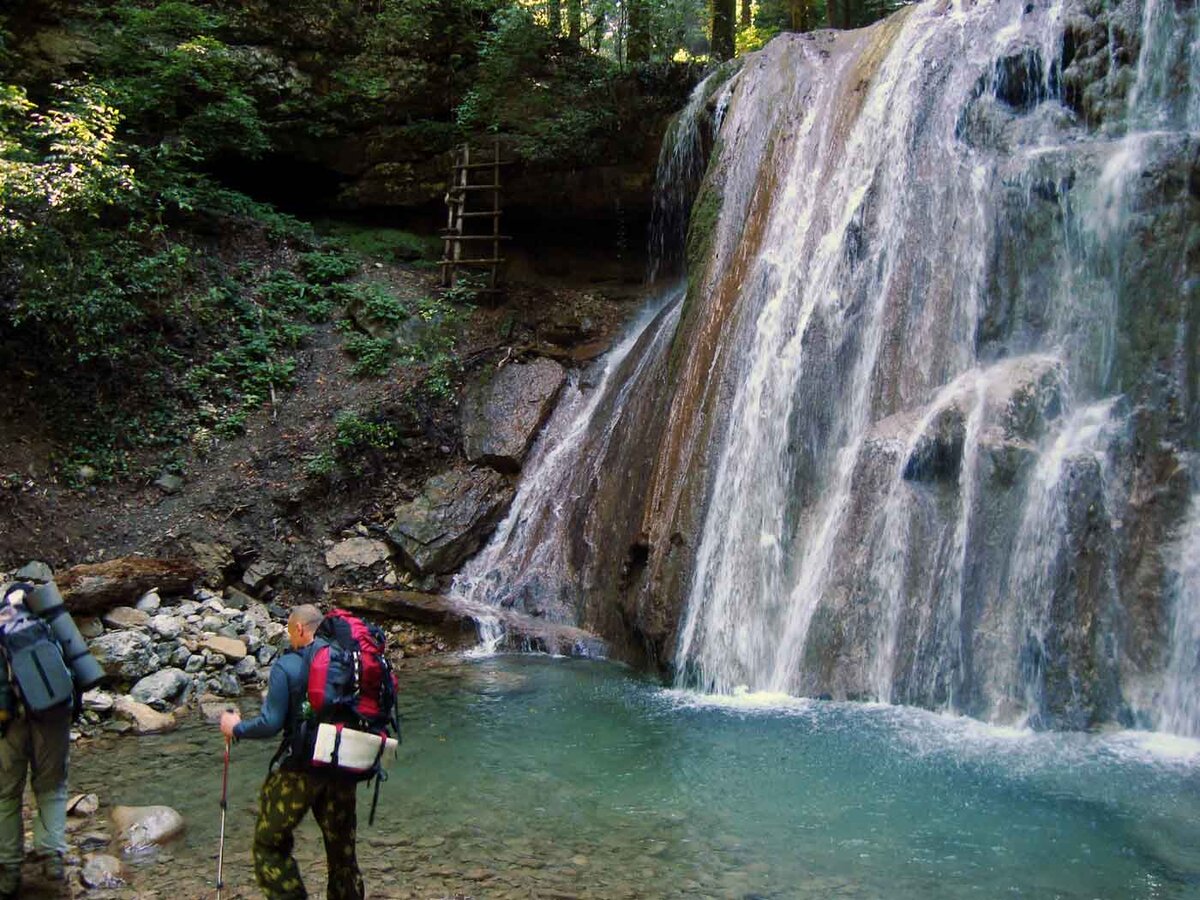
307 615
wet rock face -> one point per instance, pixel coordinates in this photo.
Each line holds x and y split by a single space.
503 411
450 520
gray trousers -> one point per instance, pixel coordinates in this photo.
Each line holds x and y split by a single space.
38 748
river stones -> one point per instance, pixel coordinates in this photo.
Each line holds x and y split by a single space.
83 805
141 827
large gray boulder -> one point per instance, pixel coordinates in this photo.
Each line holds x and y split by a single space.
161 689
125 654
450 520
502 412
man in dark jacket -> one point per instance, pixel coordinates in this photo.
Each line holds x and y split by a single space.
292 787
38 746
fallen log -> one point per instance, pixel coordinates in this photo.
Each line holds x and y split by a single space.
96 588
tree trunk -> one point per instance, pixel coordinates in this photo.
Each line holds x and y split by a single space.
801 14
96 588
747 18
638 46
555 9
574 19
723 18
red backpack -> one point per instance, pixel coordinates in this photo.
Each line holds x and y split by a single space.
350 684
350 681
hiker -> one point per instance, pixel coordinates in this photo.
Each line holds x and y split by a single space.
293 786
32 740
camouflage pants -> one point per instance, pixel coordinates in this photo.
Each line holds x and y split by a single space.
285 798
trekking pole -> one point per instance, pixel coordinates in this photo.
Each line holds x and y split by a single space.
224 805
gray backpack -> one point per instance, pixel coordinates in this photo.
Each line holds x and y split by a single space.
36 662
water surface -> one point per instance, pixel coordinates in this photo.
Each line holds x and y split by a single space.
533 777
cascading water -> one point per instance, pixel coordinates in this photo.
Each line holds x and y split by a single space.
528 561
1181 691
923 491
681 163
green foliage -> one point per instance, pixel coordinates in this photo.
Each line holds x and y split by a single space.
404 331
372 356
382 244
357 440
183 91
327 266
556 101
352 434
56 166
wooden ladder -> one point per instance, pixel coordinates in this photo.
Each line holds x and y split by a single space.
467 202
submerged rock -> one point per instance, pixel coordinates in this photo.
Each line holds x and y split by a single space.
102 871
143 718
142 827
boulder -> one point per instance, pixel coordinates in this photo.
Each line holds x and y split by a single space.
34 571
502 412
213 560
161 689
142 827
166 626
101 871
125 617
149 603
125 654
144 719
357 553
233 649
450 520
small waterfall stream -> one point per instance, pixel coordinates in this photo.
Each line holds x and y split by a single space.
528 559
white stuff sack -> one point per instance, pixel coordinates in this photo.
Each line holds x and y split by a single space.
357 750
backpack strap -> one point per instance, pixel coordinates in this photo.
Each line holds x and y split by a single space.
293 726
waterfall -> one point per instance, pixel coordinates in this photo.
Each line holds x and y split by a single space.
527 562
681 162
1181 689
923 483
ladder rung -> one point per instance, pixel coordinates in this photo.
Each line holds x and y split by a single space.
494 213
471 262
483 165
474 187
476 237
